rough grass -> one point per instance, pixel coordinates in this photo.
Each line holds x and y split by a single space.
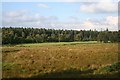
78 60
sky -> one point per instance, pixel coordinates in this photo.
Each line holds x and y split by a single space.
61 15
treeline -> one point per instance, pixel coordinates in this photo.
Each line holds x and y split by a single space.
35 35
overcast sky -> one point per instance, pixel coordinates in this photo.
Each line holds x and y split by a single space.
61 15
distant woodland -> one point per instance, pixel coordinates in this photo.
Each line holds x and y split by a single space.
39 35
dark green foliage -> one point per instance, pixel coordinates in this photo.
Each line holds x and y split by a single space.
114 67
34 35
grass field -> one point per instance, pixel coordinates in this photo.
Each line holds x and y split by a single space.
52 43
61 60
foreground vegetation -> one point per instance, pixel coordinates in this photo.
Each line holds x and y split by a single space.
61 60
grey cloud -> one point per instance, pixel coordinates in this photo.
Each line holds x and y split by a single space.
18 17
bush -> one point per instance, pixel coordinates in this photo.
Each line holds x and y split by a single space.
114 67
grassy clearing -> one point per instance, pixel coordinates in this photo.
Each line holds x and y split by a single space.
70 60
55 43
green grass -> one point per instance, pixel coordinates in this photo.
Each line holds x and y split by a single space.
55 43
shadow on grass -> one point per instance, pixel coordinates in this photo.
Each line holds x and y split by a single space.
73 73
107 73
8 51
